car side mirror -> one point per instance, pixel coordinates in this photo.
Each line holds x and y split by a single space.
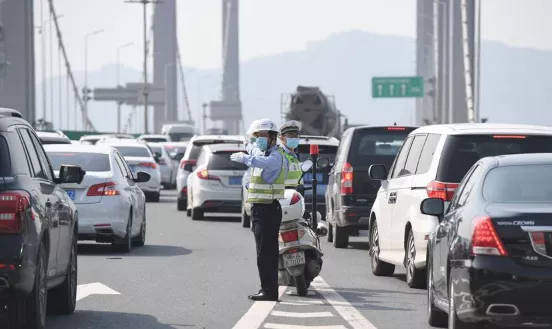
142 177
322 229
433 207
178 156
157 156
377 172
70 175
323 163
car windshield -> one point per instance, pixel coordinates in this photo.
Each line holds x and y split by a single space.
133 151
463 151
180 137
371 146
221 161
155 139
519 184
87 161
5 164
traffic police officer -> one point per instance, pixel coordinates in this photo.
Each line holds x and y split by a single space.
265 189
289 138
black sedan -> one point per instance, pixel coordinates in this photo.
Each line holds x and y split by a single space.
490 258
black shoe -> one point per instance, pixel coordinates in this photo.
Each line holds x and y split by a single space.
262 296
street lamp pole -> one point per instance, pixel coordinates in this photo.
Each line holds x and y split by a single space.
119 82
85 90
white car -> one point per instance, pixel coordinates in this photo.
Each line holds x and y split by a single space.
139 158
215 185
111 206
178 132
431 163
154 138
176 152
188 162
52 137
164 161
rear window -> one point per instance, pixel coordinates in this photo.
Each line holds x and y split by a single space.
221 161
155 139
376 146
196 148
511 184
133 151
87 161
5 165
462 152
180 137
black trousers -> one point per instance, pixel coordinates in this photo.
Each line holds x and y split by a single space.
266 219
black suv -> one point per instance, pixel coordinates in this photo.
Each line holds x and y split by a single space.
38 229
351 193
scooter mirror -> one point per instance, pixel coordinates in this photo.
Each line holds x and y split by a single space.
306 165
322 229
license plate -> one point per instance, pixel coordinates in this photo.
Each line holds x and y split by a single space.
235 180
71 194
294 259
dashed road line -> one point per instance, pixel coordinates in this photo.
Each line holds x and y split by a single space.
302 314
292 326
257 313
354 318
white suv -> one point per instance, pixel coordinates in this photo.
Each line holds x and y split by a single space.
431 163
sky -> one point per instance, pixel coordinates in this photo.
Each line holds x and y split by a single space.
271 27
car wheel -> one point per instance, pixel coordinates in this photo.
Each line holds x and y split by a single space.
63 298
453 321
340 237
125 245
415 278
301 285
140 241
181 204
435 317
245 218
197 214
379 267
37 301
330 232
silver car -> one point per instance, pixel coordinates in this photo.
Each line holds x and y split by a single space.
188 162
176 152
111 206
139 158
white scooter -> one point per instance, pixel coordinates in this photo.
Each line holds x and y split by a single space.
300 258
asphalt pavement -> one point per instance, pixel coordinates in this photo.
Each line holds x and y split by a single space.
197 274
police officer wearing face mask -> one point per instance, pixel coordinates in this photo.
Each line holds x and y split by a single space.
266 187
289 138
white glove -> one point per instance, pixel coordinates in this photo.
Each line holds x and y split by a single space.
238 157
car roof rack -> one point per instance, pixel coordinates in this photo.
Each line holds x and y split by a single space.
6 112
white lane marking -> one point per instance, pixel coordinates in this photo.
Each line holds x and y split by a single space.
258 312
342 306
303 303
85 290
291 326
302 314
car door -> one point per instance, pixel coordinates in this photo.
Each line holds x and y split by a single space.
63 211
136 196
333 191
405 197
44 193
445 231
388 195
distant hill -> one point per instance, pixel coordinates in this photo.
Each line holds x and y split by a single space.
516 84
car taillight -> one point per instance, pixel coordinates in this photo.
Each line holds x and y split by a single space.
13 205
295 198
204 174
151 165
183 163
103 189
509 137
347 179
485 240
440 190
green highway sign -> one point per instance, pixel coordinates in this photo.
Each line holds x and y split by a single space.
391 87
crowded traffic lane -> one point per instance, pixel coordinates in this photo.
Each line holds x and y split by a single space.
198 275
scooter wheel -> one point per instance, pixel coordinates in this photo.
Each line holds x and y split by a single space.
301 285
